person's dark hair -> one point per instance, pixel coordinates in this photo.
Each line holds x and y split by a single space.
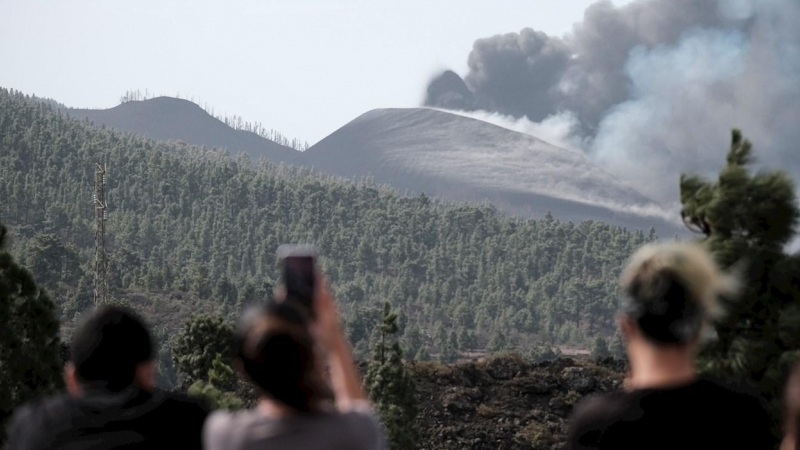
664 309
672 291
108 345
276 351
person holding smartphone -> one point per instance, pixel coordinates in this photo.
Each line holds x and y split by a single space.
280 345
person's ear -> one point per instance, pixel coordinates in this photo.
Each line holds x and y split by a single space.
144 377
71 379
627 327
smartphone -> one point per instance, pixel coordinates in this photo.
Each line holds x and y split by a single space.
298 264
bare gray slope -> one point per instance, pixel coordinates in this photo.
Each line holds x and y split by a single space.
459 158
167 118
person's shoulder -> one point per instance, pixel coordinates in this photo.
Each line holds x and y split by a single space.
727 392
45 409
607 406
39 418
744 408
174 400
226 429
599 410
360 411
221 421
363 425
594 415
190 413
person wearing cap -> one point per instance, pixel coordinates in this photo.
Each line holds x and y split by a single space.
670 294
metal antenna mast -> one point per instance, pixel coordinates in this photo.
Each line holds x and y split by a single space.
100 217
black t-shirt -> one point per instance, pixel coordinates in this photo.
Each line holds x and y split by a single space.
703 414
132 419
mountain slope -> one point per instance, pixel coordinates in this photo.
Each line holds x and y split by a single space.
167 118
192 231
419 150
460 158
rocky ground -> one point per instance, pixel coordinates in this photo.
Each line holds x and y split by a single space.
500 402
504 402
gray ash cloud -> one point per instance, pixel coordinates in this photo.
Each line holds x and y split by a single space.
654 86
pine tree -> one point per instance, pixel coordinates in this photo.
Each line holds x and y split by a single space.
747 221
543 353
201 339
391 387
186 219
497 342
600 349
51 260
617 346
422 355
217 389
30 348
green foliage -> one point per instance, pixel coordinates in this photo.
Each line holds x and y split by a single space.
600 349
114 301
497 342
544 353
391 387
617 346
30 348
202 339
422 355
194 230
216 389
748 220
51 260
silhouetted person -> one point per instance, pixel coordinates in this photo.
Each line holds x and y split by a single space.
670 292
111 402
279 353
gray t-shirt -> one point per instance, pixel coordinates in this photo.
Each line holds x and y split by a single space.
253 430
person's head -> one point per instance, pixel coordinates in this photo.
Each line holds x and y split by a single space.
276 351
112 350
670 293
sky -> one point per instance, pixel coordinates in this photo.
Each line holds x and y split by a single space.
301 67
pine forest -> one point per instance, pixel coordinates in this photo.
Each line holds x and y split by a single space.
194 230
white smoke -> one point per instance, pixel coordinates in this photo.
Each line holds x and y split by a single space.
648 90
680 114
558 129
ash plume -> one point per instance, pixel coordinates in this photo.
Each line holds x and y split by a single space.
653 87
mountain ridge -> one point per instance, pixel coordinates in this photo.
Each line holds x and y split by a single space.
169 118
466 159
418 150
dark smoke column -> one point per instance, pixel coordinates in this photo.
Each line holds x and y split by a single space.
652 88
449 91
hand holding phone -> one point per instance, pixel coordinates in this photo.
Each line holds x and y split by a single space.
298 270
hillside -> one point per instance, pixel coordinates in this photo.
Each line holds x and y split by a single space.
167 118
192 230
419 150
443 154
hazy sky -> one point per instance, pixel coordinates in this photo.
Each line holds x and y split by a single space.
302 67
